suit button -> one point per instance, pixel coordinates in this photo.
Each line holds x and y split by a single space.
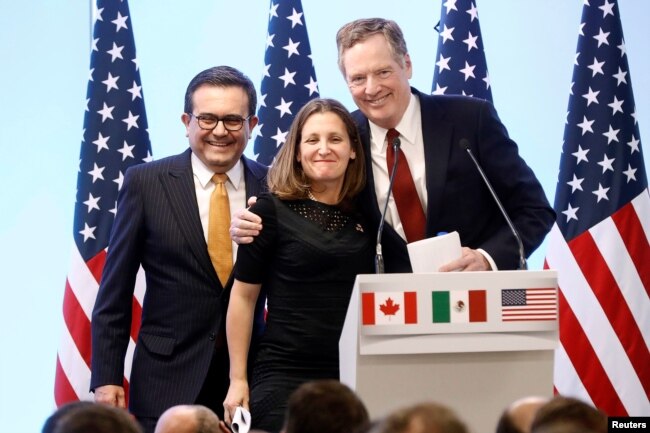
213 336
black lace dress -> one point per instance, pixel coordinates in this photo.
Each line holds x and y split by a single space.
306 258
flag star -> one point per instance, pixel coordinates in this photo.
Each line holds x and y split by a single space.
586 125
120 22
487 80
596 67
263 100
284 107
622 47
131 121
115 52
581 155
287 77
450 5
601 193
126 150
606 163
575 59
111 82
280 137
601 37
92 202
607 8
266 70
581 29
273 12
119 180
473 12
137 65
446 34
616 105
471 42
571 87
439 90
312 86
101 142
570 213
97 14
612 134
114 210
90 74
634 145
87 101
148 158
106 112
295 18
257 131
97 172
269 40
575 184
468 71
591 96
94 45
633 114
135 91
620 76
630 173
88 232
292 48
443 63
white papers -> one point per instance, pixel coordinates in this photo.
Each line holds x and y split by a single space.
429 254
241 420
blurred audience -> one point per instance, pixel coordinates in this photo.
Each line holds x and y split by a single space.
190 419
428 417
568 415
518 417
86 417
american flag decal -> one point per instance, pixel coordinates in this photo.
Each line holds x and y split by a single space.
114 138
289 78
599 244
518 305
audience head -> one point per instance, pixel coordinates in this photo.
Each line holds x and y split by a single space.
325 406
84 417
188 419
568 415
517 417
426 417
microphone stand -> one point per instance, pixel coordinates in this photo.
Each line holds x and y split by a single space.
379 258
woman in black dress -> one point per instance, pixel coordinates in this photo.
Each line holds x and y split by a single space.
305 261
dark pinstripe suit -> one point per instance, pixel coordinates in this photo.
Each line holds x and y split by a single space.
183 315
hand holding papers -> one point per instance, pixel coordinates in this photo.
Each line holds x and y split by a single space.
429 254
241 420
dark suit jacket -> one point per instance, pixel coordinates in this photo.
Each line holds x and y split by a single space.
457 198
183 314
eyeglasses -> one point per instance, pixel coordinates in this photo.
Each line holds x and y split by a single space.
230 122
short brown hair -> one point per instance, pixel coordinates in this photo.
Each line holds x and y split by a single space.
359 30
286 177
427 417
564 414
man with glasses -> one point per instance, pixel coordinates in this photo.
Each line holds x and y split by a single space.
168 219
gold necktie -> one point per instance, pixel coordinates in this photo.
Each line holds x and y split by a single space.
219 243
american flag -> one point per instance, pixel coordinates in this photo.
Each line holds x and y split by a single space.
289 78
599 244
114 137
461 68
522 305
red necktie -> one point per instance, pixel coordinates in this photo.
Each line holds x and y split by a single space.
406 196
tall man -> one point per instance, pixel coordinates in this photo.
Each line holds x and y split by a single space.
448 194
167 221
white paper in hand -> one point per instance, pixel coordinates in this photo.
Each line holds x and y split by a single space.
429 254
241 420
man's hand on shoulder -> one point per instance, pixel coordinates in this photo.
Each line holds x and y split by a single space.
245 225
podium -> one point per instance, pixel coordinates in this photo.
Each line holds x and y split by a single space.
473 341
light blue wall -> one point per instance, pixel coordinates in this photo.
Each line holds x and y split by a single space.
44 46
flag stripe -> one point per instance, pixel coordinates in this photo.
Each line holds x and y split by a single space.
63 390
368 308
477 306
636 241
598 275
77 322
440 307
410 307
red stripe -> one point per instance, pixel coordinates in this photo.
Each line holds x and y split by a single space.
477 306
368 308
410 307
602 282
77 323
136 316
629 226
96 265
63 390
586 362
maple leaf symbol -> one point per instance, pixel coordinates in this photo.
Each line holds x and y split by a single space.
389 308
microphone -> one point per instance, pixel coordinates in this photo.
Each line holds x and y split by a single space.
379 258
464 144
